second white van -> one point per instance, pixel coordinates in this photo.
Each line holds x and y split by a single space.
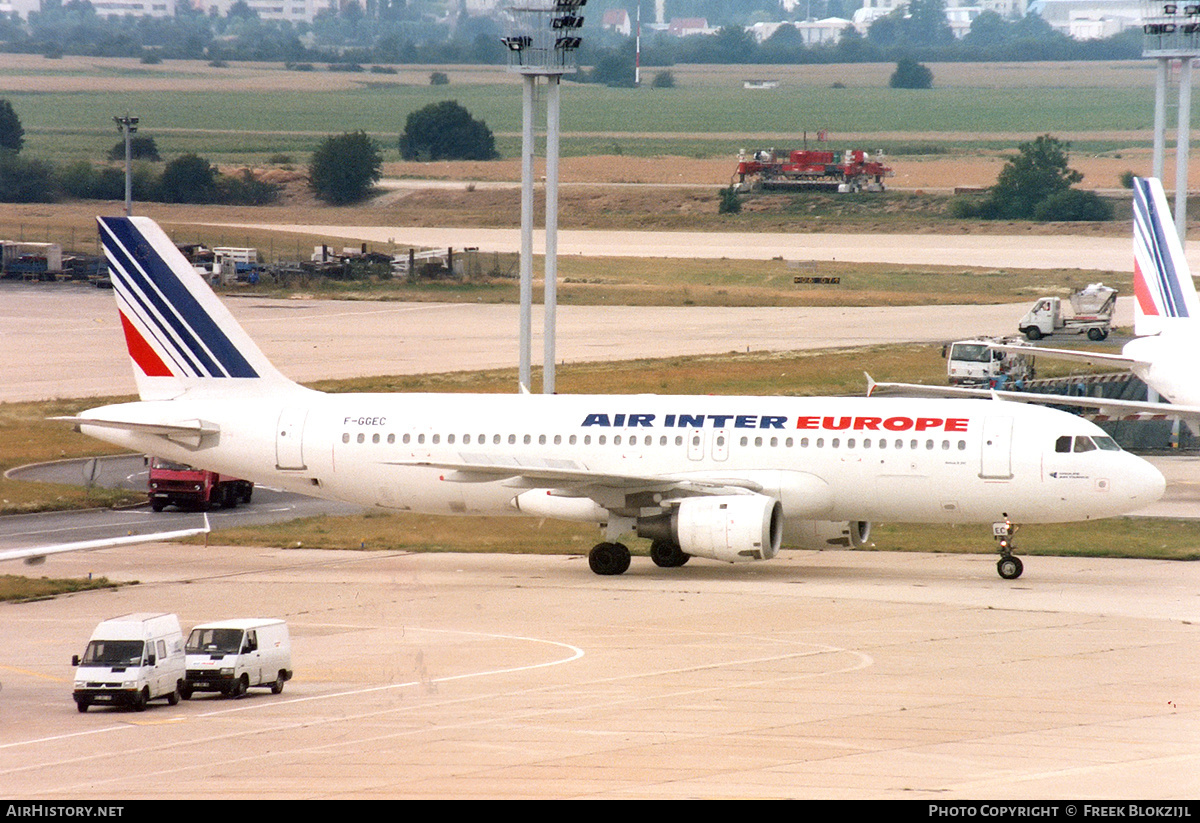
231 656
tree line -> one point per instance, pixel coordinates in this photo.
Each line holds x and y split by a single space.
398 32
344 168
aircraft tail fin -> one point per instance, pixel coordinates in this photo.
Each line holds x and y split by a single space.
1164 293
179 334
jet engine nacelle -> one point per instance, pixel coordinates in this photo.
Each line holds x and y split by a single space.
825 534
733 528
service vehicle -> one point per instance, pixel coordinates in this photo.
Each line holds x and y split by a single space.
131 660
976 362
187 487
1091 314
231 656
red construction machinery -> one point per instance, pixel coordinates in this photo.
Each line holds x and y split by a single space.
853 170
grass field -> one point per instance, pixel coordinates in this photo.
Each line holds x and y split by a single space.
246 113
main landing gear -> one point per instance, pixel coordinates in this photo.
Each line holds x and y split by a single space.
609 558
1009 566
613 558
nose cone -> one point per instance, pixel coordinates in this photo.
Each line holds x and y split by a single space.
1140 483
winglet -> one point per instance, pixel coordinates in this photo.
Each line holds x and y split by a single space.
870 383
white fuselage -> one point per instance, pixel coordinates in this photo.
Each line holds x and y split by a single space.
826 459
1167 363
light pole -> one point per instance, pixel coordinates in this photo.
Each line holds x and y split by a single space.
541 38
128 126
1171 31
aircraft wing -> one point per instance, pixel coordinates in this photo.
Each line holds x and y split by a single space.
572 477
1104 408
35 555
1092 358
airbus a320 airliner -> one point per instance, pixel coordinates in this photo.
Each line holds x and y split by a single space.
727 478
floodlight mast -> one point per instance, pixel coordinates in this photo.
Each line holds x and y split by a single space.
128 126
541 39
1171 31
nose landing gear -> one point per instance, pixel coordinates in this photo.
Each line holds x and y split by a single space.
1009 566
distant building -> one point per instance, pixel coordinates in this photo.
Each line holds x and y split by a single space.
1090 19
819 32
296 11
20 7
137 8
617 20
812 32
687 26
959 13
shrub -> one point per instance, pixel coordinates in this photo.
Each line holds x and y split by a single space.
729 202
446 131
140 148
663 80
343 169
1073 204
910 74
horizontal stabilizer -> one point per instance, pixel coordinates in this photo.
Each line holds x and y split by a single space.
191 433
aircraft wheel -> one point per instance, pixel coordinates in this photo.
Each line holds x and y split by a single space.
667 554
609 558
1010 568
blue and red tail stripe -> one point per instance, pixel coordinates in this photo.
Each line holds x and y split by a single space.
1159 292
168 331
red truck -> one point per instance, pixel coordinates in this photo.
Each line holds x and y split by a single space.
190 488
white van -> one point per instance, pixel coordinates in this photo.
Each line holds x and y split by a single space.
130 661
230 656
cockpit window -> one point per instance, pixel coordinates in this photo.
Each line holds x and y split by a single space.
1080 443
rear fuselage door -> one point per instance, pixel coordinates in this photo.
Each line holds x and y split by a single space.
289 439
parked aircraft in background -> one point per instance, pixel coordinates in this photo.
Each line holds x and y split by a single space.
1166 322
726 478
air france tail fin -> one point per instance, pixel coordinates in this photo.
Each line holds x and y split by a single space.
180 336
1163 290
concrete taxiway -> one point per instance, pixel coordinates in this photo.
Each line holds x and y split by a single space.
1004 251
72 337
837 674
832 675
